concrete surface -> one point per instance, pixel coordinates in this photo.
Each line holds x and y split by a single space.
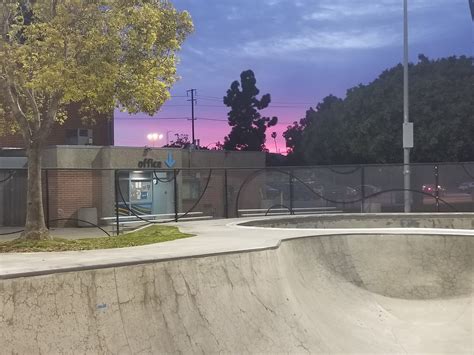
371 220
272 291
65 233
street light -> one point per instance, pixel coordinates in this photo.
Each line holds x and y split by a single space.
168 137
153 137
408 143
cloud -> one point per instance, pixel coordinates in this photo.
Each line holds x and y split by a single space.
338 11
332 39
285 27
344 25
272 2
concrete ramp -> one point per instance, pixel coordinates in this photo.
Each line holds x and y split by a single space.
328 294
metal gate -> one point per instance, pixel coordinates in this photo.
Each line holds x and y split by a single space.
13 197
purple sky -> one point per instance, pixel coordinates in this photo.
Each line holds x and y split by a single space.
300 51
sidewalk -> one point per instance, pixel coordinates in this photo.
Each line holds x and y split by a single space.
65 233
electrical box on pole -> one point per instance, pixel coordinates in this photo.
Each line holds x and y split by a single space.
408 140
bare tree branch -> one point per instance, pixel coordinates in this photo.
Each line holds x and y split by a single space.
54 5
18 114
4 18
31 97
12 95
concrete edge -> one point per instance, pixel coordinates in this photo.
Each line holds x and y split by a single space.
248 222
276 245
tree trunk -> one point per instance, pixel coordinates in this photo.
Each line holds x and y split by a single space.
35 227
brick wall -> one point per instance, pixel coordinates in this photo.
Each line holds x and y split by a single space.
13 141
71 190
102 132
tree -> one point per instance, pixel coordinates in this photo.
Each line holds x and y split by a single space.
99 53
248 125
181 141
316 119
366 127
274 136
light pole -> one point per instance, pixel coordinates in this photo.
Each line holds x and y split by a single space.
407 125
153 137
168 137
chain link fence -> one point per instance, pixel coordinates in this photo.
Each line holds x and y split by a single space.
118 200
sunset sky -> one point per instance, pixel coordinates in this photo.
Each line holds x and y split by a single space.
300 51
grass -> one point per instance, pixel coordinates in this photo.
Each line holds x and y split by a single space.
150 235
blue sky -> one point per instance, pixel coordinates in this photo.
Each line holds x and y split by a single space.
300 51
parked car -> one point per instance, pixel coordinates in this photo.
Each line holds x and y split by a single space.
368 190
466 187
338 193
311 190
301 191
431 189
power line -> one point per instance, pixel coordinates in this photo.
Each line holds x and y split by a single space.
196 118
154 118
211 98
272 103
292 103
206 99
269 107
212 119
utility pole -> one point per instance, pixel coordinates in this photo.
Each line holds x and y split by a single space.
193 101
407 125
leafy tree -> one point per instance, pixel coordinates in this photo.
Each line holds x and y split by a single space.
366 127
248 125
99 53
318 119
181 141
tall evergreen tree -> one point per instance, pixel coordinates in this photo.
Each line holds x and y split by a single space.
248 125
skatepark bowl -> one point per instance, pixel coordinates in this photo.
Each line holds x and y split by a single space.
408 289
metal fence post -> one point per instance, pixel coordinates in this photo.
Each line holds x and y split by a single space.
117 219
226 201
362 189
175 181
46 182
291 192
436 173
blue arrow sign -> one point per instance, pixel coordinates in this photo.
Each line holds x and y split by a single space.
170 162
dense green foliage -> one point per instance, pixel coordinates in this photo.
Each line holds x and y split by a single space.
248 125
366 126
